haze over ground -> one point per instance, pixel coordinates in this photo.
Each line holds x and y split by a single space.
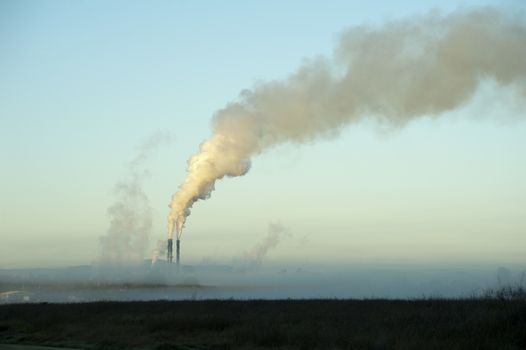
85 83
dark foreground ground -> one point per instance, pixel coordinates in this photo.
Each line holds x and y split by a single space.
278 324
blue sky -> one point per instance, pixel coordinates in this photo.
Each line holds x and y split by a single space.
82 83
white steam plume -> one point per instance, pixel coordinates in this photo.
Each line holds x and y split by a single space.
130 215
159 250
255 256
404 70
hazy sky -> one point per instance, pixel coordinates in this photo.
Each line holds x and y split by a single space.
83 83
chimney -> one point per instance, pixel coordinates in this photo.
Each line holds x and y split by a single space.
169 254
177 251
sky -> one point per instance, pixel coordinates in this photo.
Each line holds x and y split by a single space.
84 83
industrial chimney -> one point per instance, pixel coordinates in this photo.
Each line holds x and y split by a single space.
169 254
177 251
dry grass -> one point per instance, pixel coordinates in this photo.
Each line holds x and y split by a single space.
495 321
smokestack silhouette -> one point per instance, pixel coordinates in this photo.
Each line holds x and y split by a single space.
404 70
177 251
169 250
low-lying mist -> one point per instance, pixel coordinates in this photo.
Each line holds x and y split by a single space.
242 281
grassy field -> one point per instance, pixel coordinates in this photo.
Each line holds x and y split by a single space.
279 324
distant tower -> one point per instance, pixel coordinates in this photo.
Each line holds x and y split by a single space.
169 254
177 251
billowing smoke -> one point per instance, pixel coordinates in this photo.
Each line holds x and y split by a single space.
159 250
130 215
395 73
254 257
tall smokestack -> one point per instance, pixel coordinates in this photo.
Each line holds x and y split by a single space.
177 251
169 254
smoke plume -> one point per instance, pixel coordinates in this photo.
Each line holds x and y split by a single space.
255 256
395 73
130 215
159 250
